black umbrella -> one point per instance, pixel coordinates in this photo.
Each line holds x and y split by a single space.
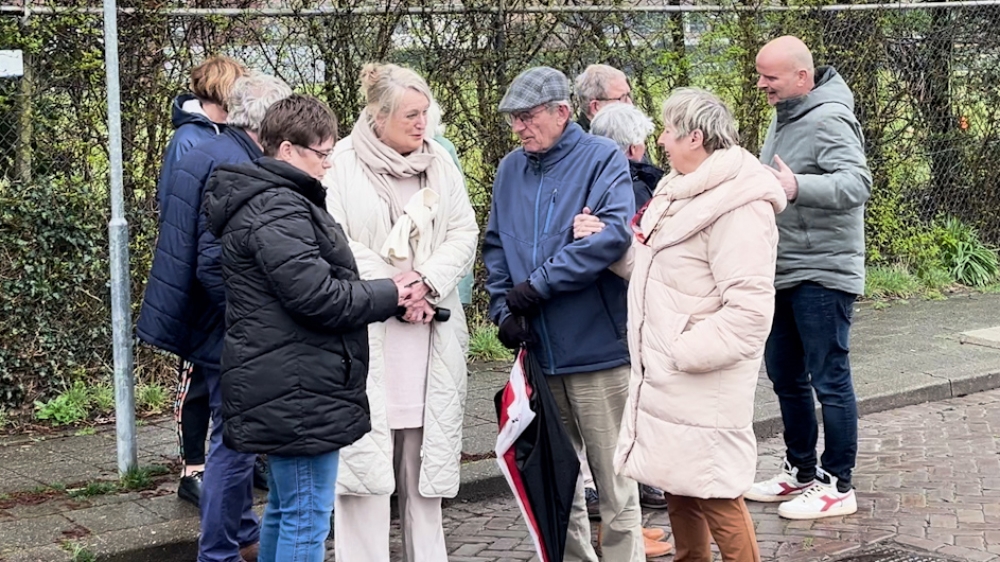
536 456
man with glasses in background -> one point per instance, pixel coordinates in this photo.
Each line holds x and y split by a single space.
556 296
597 86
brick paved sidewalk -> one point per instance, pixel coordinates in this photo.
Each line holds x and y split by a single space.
928 478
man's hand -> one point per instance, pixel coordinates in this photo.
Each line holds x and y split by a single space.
786 177
411 279
513 334
586 224
524 300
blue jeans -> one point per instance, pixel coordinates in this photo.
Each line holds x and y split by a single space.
228 522
299 504
808 349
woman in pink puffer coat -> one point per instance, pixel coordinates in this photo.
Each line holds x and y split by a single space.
701 299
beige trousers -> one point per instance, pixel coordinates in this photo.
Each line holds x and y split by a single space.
592 405
361 523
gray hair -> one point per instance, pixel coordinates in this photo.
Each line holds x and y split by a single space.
592 83
623 123
691 109
251 97
435 127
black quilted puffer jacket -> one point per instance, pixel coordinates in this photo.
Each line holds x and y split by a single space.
295 354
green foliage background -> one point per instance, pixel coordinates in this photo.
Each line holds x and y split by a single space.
926 84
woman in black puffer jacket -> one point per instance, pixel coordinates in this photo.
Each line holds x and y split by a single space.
295 356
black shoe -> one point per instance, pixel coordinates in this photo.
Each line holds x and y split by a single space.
189 489
651 498
593 504
260 472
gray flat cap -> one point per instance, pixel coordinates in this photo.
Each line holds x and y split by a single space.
533 87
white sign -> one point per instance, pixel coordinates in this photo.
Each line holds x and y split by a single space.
11 64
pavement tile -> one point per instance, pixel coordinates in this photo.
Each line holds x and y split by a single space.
114 517
27 533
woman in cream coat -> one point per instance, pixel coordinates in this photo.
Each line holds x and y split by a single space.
402 204
701 298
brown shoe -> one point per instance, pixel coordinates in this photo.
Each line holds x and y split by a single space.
656 549
249 553
654 533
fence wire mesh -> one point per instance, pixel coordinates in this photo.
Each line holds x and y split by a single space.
925 79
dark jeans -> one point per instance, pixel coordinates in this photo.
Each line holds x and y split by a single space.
808 349
228 522
193 413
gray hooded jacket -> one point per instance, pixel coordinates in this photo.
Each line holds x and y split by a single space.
822 232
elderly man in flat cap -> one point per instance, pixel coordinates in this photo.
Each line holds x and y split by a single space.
555 294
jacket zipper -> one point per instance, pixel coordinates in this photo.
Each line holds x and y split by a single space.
534 263
548 214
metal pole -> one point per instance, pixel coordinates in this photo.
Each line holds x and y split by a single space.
121 312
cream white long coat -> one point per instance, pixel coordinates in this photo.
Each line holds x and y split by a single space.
366 467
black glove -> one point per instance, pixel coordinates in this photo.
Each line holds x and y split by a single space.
524 300
513 333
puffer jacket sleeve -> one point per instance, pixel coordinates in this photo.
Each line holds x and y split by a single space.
742 249
580 263
283 241
209 270
839 151
453 258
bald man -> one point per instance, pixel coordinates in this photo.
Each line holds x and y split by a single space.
815 148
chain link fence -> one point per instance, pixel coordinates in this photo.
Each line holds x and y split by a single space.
925 78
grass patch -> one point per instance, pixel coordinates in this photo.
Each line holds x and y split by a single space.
85 431
70 406
78 553
968 260
891 282
151 398
142 478
484 345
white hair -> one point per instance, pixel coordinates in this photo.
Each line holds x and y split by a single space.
691 109
251 97
592 83
623 123
435 127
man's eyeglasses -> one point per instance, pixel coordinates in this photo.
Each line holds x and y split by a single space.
624 98
320 153
525 117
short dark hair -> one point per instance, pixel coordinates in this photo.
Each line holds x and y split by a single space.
300 120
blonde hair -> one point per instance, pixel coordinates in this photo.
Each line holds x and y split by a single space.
383 86
691 109
592 83
213 80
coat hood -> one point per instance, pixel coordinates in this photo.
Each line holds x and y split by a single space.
234 185
187 110
830 88
727 180
646 173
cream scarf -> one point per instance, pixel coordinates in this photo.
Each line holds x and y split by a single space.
414 220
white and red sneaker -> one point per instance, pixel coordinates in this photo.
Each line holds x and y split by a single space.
781 488
822 499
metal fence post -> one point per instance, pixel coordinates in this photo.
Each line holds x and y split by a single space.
121 302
